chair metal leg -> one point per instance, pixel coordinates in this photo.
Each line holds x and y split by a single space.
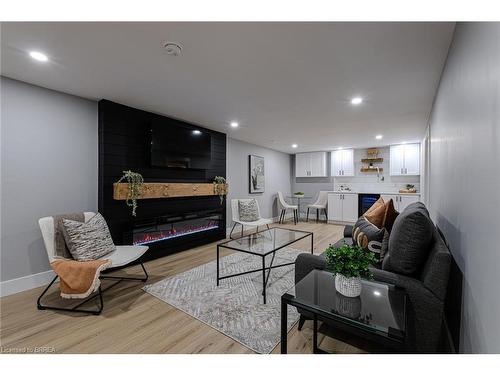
307 218
40 306
231 233
119 279
326 215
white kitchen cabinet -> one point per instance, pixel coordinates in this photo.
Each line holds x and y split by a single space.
406 200
335 207
342 162
405 160
400 201
343 207
310 164
350 207
412 159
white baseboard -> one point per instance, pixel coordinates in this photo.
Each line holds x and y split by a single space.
21 284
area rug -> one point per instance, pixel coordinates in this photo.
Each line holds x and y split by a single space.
235 308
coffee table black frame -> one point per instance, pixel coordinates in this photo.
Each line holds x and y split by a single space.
394 339
262 255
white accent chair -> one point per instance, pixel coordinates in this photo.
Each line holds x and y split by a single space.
236 218
283 206
320 204
122 256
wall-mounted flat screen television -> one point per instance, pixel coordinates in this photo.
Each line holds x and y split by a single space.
176 146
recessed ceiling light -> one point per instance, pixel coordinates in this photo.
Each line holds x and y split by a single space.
378 136
234 124
39 56
377 293
403 143
340 148
356 100
295 145
196 132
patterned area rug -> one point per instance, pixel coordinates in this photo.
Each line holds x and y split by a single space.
235 308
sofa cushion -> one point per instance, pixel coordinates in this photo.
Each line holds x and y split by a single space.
374 206
376 216
90 240
370 238
383 215
409 241
248 210
390 215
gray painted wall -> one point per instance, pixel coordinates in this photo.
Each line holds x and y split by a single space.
49 166
464 177
277 174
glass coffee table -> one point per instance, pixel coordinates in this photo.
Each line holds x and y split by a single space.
262 244
378 314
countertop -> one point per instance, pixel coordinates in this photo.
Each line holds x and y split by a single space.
371 192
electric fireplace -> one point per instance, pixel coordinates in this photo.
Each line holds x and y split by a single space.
162 231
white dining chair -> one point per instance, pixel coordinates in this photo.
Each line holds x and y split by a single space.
254 224
320 204
283 206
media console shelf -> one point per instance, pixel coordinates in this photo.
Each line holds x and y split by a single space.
169 190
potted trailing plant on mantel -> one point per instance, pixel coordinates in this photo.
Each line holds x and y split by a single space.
135 182
349 264
220 187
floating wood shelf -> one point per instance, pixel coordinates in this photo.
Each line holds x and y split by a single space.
169 190
372 160
371 169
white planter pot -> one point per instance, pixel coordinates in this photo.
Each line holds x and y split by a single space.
348 286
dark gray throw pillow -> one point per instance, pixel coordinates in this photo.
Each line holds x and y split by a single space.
248 210
89 240
370 237
410 240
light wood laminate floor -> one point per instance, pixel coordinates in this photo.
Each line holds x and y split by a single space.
136 322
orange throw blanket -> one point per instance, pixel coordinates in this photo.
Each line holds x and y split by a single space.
79 279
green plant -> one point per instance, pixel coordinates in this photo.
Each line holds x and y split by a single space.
135 182
350 261
220 187
298 193
410 186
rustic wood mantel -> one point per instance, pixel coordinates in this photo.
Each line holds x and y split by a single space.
169 190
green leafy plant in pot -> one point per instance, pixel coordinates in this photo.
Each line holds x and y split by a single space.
135 182
349 264
220 187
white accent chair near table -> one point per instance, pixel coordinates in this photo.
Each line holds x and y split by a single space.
320 204
122 256
283 206
254 224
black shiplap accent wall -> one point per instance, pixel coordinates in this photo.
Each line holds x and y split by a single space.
124 143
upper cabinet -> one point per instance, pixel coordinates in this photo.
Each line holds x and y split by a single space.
405 160
311 164
342 162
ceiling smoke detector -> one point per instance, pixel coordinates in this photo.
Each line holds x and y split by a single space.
172 49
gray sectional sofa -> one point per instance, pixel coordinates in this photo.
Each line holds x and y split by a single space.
418 261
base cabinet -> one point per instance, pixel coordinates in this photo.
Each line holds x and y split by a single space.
401 201
343 207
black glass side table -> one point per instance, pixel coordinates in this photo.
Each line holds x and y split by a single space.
379 314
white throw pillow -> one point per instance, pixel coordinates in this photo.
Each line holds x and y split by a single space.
248 210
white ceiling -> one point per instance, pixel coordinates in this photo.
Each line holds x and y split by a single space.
283 82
